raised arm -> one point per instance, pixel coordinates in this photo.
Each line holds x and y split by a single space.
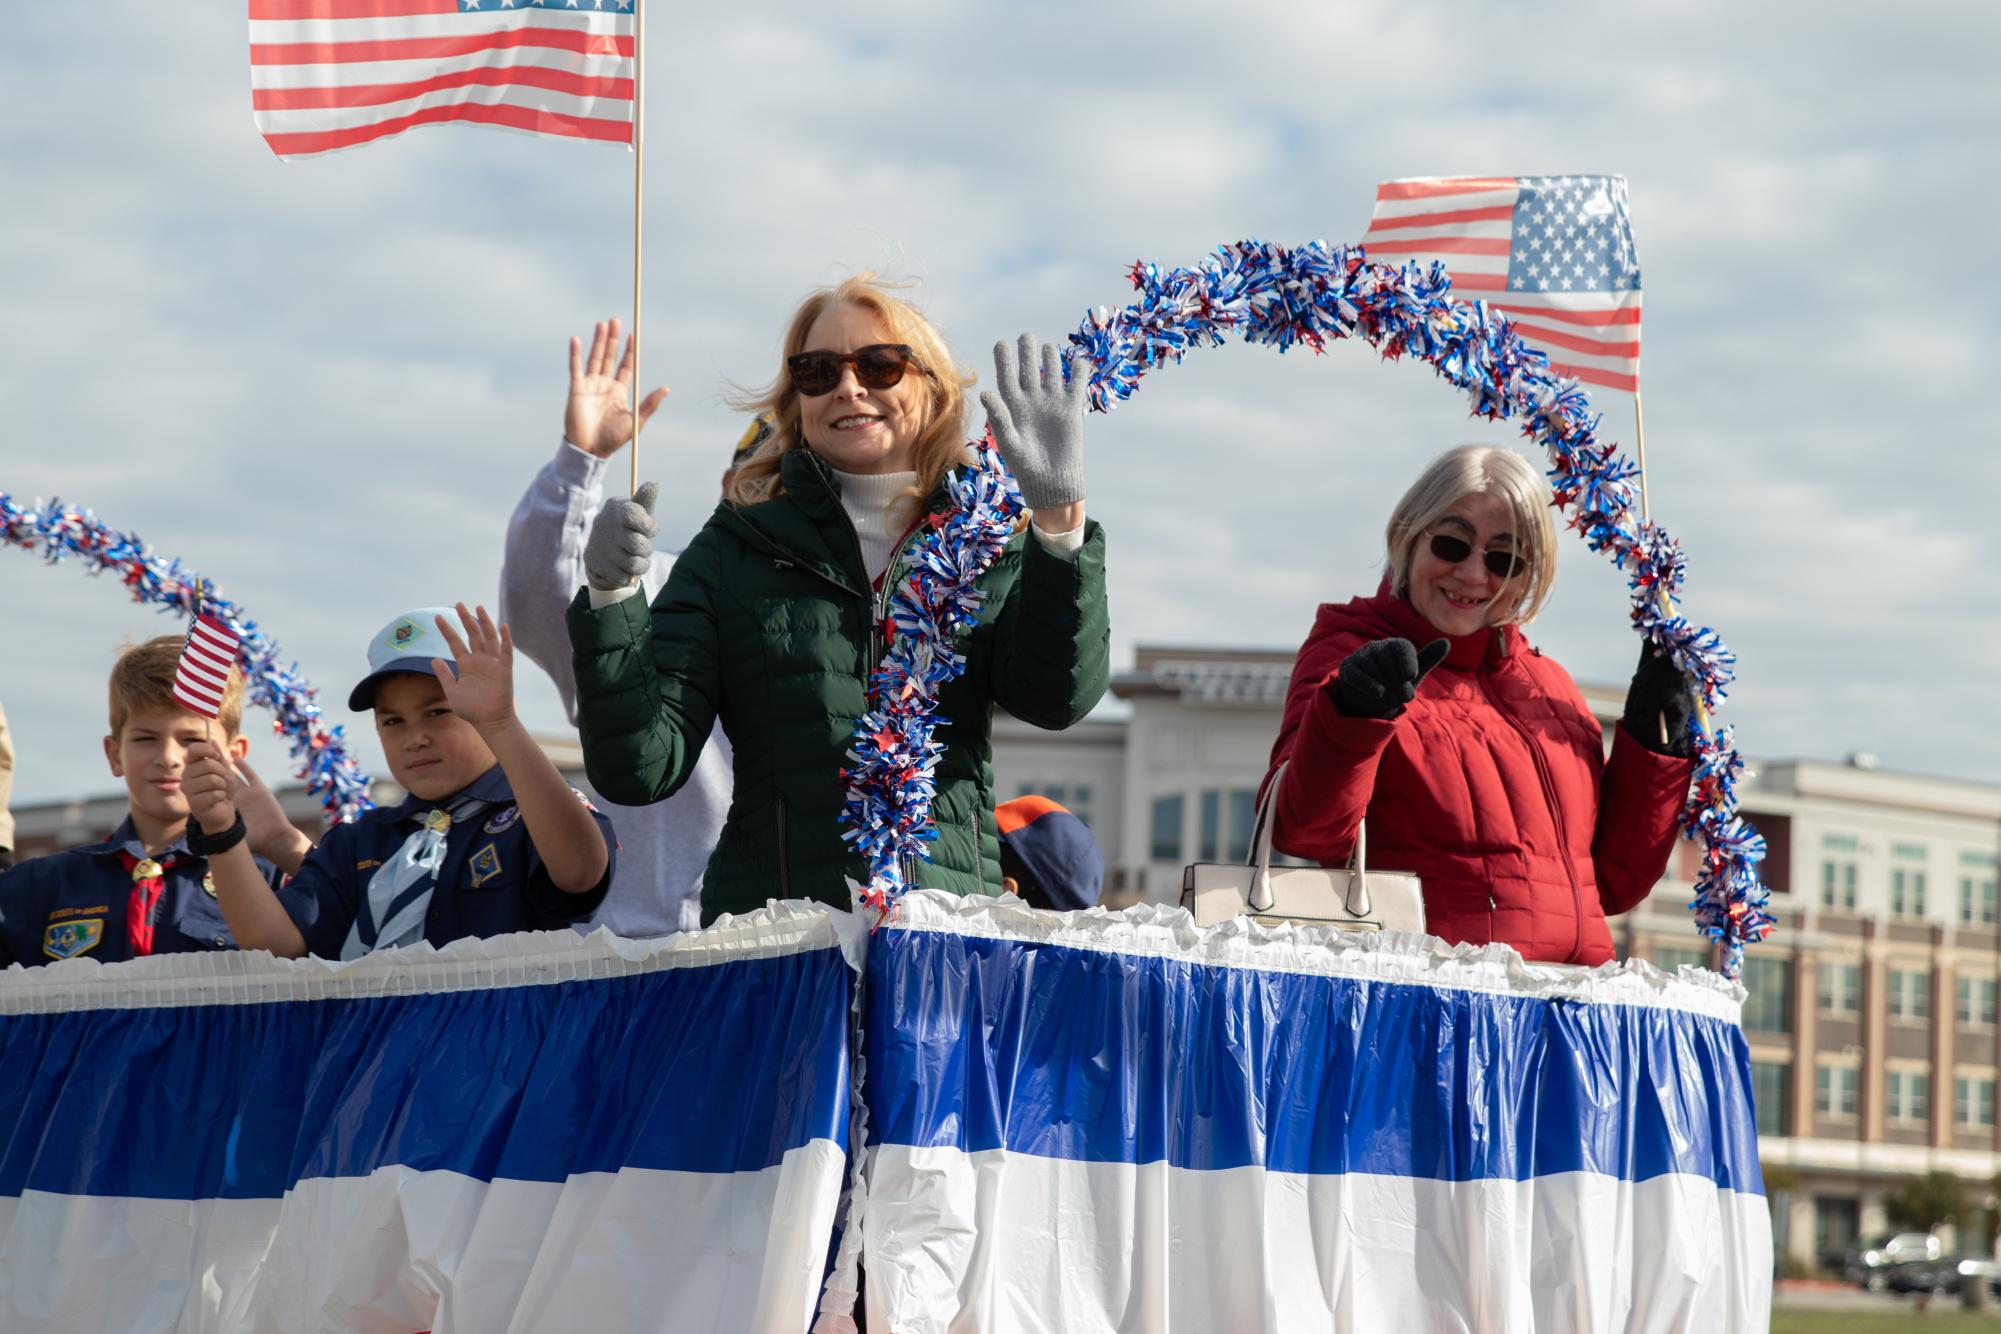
1052 654
1645 785
482 692
543 566
255 915
649 681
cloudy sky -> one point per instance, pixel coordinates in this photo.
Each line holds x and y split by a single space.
326 383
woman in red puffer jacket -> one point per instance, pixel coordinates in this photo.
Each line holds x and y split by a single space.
1472 755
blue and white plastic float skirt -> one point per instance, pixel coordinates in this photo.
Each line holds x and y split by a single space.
539 1132
1117 1122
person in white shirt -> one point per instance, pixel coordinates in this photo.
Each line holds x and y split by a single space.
656 888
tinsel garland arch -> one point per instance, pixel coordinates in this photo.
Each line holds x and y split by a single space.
1284 297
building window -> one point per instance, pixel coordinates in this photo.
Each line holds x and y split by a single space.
1840 988
1668 958
1837 1223
1072 797
1973 1102
1243 814
1223 823
1977 899
1910 995
1909 1100
1209 828
1834 1090
1768 996
1837 872
1976 1002
1907 892
1772 1087
1164 841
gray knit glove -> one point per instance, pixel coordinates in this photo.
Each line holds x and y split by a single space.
1038 421
620 547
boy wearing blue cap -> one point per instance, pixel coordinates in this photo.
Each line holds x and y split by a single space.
491 840
1048 856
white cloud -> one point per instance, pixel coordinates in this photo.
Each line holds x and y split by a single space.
362 356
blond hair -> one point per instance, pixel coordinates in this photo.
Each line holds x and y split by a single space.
941 443
1478 470
143 679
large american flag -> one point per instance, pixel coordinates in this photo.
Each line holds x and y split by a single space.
1554 253
328 74
206 658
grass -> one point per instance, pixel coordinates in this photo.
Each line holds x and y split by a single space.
1906 1321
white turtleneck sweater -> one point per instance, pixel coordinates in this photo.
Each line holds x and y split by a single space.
881 507
881 511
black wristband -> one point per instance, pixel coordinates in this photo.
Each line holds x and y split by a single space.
209 845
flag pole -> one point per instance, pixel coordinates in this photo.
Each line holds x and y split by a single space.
638 210
1646 516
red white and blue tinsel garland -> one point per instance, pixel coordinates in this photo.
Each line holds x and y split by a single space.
892 779
1306 295
59 532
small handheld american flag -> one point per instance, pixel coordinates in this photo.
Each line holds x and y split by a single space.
206 658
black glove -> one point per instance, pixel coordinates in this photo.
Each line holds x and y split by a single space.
1379 678
1660 697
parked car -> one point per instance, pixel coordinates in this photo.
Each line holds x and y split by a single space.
1869 1262
1941 1276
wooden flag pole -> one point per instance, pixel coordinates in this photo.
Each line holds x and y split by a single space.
1646 516
638 210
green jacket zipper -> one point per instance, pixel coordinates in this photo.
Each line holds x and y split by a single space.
784 854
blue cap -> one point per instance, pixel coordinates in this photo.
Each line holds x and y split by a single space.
406 644
1062 864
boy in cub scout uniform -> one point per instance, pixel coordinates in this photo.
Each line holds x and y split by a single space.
491 840
147 889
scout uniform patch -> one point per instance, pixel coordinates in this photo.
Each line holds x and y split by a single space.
500 822
485 865
66 940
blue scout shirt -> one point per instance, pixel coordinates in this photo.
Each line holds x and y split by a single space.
71 905
492 882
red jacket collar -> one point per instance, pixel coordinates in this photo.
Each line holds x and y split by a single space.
1491 646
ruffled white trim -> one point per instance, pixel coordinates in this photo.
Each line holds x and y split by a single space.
535 958
1170 932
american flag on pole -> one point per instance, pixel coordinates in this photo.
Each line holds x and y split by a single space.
328 74
1553 253
203 674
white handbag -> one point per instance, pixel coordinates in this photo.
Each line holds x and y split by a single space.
1354 898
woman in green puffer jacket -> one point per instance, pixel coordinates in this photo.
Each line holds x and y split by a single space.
771 620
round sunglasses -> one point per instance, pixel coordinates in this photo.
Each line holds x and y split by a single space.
877 366
1501 562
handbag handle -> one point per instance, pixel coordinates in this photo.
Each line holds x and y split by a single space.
1259 856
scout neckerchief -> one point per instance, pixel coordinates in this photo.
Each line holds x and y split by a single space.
149 883
392 910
